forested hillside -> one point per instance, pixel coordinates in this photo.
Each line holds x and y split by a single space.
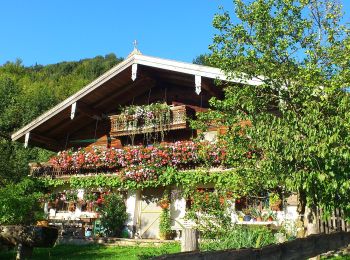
26 92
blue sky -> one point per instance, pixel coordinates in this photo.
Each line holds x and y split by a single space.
50 31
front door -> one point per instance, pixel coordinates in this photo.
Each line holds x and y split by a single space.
150 213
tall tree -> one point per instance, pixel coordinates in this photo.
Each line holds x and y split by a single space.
295 55
27 92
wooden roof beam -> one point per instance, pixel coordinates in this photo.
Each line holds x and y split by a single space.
49 142
144 80
213 91
92 112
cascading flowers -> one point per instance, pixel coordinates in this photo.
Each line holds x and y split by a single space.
142 163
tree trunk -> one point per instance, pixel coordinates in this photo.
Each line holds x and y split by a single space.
311 220
301 212
308 217
189 240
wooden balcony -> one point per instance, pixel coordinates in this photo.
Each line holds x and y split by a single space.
46 170
122 126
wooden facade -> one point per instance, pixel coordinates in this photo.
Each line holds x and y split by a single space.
157 80
91 118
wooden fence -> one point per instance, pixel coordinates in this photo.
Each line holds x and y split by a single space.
301 248
336 222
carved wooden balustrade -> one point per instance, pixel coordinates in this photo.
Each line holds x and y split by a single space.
122 126
47 170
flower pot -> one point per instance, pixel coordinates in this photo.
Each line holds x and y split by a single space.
270 219
247 218
258 219
71 206
276 206
42 223
164 204
164 236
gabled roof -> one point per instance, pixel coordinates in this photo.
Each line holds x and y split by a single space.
110 82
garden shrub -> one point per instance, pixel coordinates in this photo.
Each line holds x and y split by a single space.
20 203
113 214
211 212
239 236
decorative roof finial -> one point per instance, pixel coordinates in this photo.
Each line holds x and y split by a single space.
135 50
135 44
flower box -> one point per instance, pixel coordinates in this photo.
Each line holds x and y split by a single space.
122 124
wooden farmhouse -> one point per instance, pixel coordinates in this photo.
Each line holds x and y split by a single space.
142 102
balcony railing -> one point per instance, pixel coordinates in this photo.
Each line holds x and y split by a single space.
131 162
122 125
47 170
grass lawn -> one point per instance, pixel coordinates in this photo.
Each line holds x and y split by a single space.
87 252
344 257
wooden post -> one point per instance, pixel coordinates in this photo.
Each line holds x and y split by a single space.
189 240
23 251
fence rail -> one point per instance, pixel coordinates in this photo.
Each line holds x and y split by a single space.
335 222
301 248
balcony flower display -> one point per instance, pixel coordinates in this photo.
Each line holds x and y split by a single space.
155 114
142 163
146 119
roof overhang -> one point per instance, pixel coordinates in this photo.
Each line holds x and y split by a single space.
118 73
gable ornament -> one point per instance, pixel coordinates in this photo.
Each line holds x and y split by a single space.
198 84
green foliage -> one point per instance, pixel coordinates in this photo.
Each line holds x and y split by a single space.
27 92
239 236
274 198
269 215
256 213
20 203
203 59
227 180
210 211
113 214
165 223
297 55
155 115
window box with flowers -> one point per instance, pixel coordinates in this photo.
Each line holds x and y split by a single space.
135 162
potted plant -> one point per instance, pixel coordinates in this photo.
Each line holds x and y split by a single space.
165 231
71 196
275 201
240 216
164 202
256 214
270 216
247 214
90 197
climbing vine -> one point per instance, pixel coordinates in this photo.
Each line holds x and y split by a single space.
187 180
